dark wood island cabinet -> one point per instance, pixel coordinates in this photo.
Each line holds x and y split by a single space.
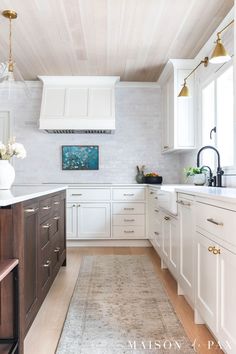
32 231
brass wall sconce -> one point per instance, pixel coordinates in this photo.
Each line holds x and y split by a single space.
184 92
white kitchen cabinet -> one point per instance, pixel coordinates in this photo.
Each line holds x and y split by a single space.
207 284
186 246
179 128
170 243
227 296
93 220
71 221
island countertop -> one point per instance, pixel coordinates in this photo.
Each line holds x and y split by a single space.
21 193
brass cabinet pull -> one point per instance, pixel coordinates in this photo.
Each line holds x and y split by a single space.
156 210
167 218
74 205
128 208
47 264
151 192
183 203
128 231
129 220
166 146
128 194
46 207
156 197
215 222
156 233
56 203
57 250
56 217
31 210
214 250
46 226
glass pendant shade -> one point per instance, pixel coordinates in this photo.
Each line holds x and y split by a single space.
11 80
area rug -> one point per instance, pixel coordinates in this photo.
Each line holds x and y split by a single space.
120 307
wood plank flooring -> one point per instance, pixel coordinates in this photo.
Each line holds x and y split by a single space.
44 333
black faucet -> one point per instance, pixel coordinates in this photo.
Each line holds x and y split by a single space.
219 171
210 178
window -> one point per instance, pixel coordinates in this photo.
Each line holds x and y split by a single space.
218 119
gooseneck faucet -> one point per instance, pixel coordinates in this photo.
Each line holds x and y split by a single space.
219 171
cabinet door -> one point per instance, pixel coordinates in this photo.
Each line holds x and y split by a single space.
166 237
30 261
168 114
227 306
71 221
186 234
174 246
94 220
207 282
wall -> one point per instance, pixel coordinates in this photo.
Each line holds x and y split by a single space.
202 75
137 140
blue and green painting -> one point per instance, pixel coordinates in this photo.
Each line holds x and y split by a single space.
80 157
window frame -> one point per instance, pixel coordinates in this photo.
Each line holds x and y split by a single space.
213 76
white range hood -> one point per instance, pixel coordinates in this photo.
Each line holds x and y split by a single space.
78 104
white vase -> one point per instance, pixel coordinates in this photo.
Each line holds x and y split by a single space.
7 174
200 179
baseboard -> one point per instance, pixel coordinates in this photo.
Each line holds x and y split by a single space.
108 243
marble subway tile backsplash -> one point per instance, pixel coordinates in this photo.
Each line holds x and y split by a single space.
137 140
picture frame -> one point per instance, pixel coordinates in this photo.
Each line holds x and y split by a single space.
80 157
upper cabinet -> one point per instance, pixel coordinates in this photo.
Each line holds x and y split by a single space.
78 103
178 121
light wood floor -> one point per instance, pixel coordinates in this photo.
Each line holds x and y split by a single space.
44 333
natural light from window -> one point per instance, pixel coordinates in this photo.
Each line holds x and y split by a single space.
217 111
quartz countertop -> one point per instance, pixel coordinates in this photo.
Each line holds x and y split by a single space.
21 193
218 193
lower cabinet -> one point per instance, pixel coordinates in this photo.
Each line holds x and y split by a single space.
44 250
31 298
186 246
88 220
170 242
216 290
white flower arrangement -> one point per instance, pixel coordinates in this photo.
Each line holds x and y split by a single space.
12 149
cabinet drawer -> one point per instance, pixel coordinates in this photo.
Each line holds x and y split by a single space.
45 208
56 202
121 220
129 232
93 194
128 208
217 221
45 268
129 194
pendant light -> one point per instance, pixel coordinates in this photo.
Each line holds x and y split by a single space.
184 92
10 76
220 54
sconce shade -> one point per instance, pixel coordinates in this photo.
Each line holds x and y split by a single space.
220 54
184 92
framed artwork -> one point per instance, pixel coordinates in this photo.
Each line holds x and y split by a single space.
80 157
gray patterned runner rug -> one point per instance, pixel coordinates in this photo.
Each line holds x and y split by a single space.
119 306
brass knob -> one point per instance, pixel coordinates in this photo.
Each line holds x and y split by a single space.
216 251
210 248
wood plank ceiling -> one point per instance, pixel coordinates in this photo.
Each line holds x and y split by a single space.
129 38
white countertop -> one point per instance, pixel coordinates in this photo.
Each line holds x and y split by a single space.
21 193
217 193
